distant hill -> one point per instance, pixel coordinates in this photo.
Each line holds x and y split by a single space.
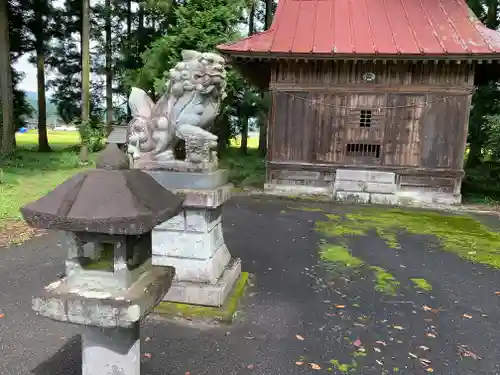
32 99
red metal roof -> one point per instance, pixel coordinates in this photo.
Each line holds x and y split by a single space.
372 27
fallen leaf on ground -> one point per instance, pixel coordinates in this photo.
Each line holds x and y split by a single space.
467 316
148 355
314 366
424 361
379 362
377 350
330 314
431 335
147 339
413 355
399 328
2 315
356 324
250 367
426 308
248 337
339 306
187 373
429 369
381 343
299 337
299 363
423 347
357 343
497 293
464 351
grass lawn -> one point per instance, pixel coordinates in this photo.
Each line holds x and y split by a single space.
28 174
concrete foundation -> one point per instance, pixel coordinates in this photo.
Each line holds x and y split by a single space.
364 186
193 242
110 351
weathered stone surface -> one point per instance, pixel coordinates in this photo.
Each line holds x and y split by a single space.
180 166
363 186
299 175
416 197
188 244
105 201
278 189
198 269
352 197
109 351
60 301
390 199
112 158
365 175
207 198
206 294
194 91
189 180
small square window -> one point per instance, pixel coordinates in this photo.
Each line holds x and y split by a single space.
365 118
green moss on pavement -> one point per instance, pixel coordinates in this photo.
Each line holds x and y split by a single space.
421 284
461 234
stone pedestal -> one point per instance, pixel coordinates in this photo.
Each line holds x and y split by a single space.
108 351
192 242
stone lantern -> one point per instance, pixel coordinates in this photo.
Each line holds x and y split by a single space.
107 215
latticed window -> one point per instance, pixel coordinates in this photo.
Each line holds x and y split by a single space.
363 150
365 118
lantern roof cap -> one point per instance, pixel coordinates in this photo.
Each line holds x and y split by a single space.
111 199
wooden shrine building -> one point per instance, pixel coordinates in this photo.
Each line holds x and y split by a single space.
370 98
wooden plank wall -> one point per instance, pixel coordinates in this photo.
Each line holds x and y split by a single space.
313 121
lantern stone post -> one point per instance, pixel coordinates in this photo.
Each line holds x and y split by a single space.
110 285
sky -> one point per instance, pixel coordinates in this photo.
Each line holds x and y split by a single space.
29 81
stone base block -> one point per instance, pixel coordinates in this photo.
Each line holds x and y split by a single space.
60 301
108 351
196 270
278 189
418 198
389 199
175 166
365 187
190 180
224 313
352 197
204 293
365 175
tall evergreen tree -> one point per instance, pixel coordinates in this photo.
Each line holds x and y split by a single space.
6 94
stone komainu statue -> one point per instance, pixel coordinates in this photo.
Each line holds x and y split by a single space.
194 91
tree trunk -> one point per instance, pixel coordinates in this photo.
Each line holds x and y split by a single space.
251 19
85 61
129 40
85 74
244 135
43 141
492 14
7 138
269 14
109 72
265 120
474 157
